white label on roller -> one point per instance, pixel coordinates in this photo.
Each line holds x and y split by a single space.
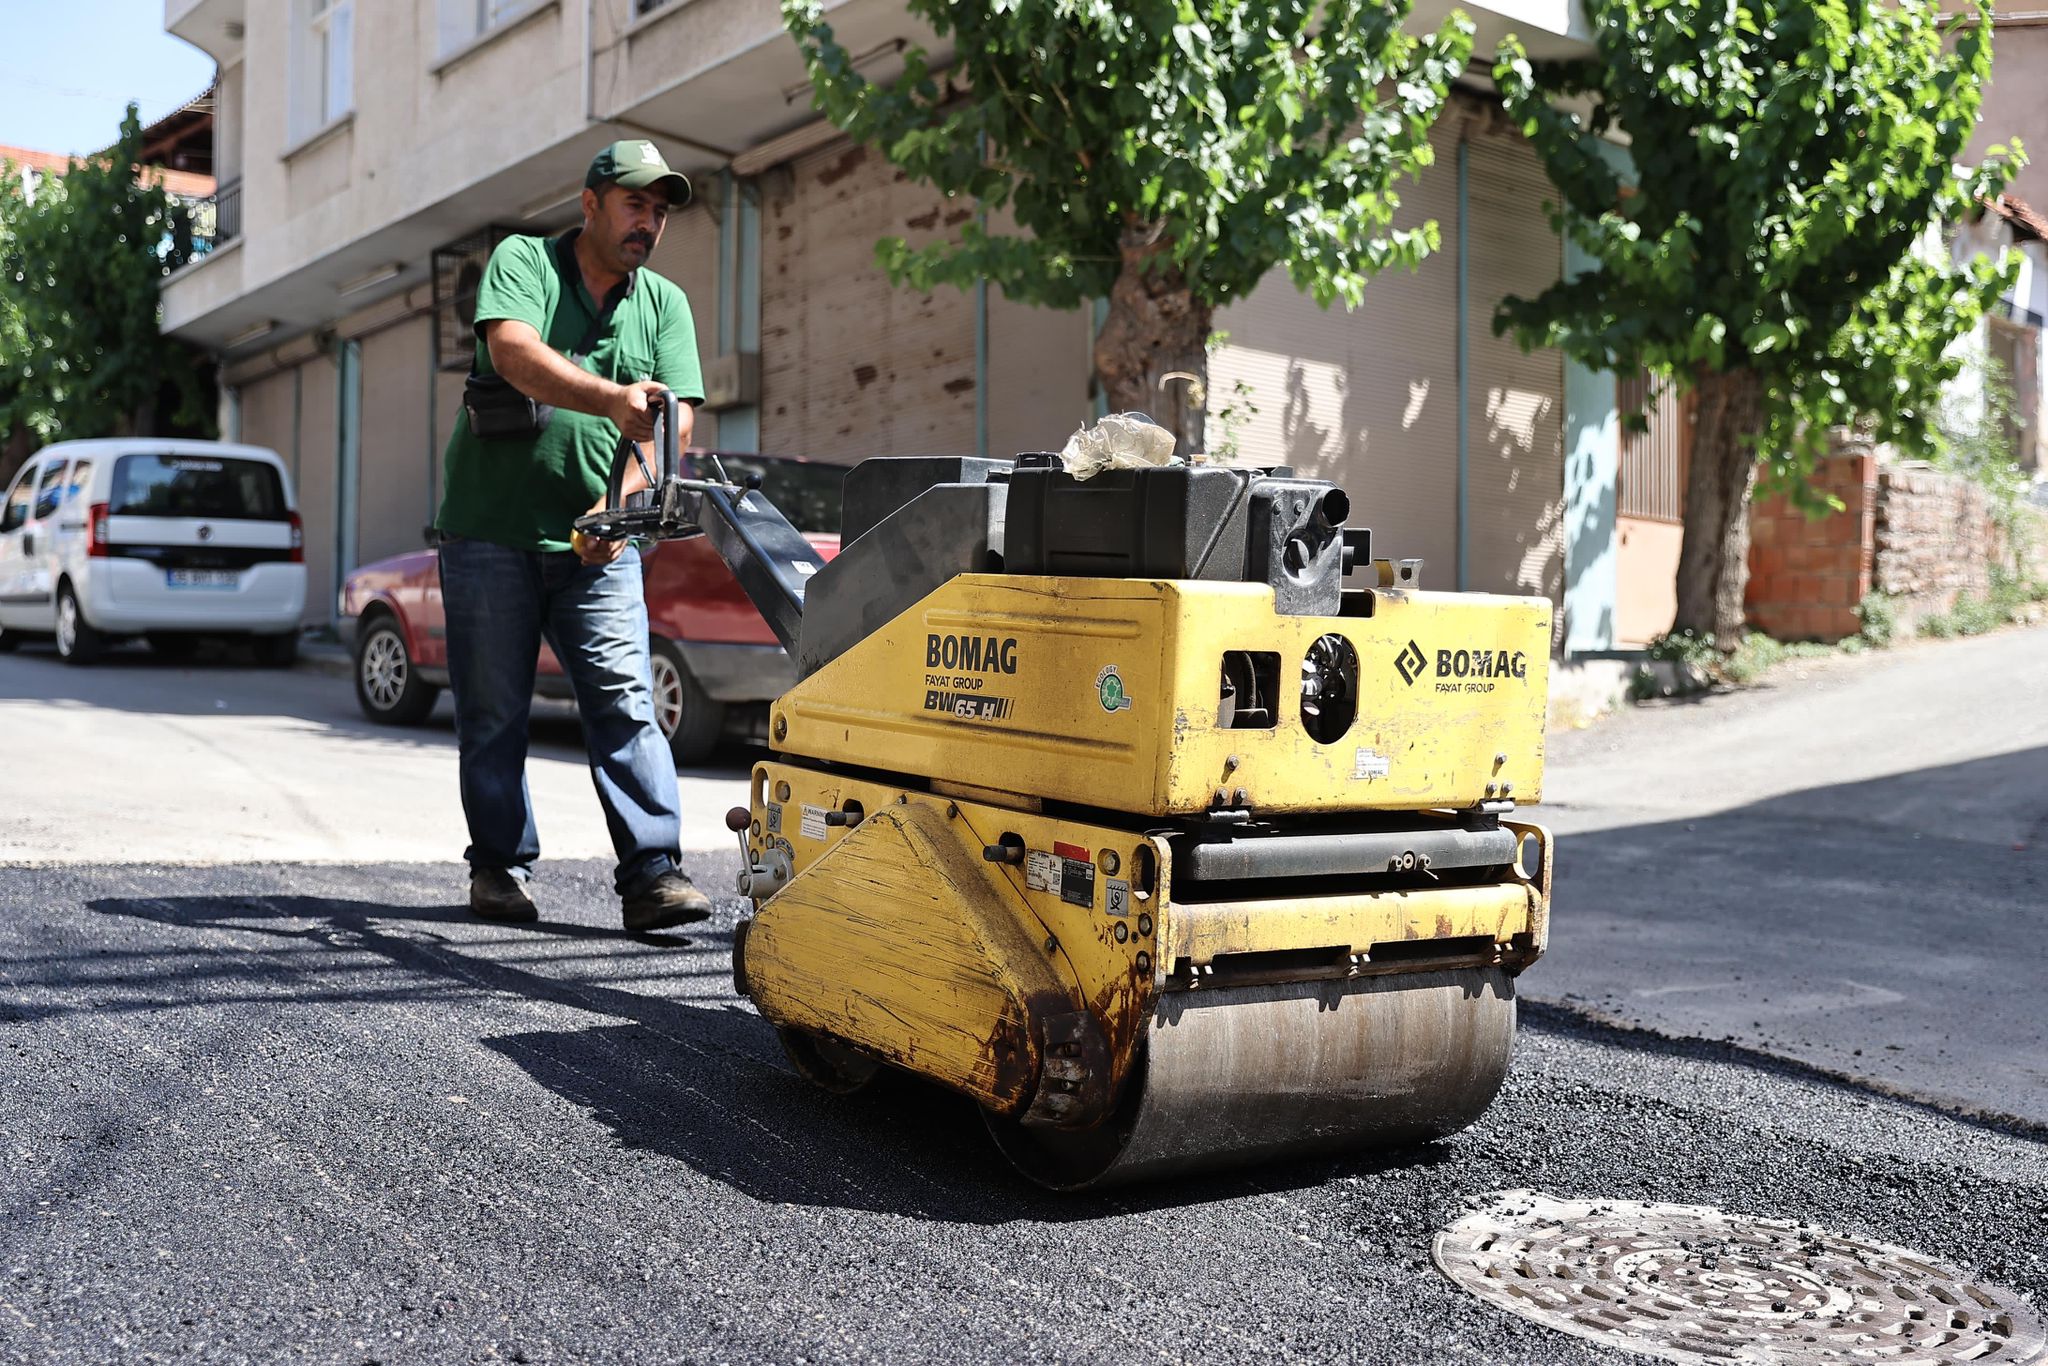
804 567
1042 872
775 818
1116 897
814 823
1369 765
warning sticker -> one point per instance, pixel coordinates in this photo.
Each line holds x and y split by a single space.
1070 879
1077 882
1042 871
1369 765
1116 896
813 826
775 818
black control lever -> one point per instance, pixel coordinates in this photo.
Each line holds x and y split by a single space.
770 558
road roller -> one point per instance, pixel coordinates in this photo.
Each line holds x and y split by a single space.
1147 810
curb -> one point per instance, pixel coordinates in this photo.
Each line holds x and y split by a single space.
331 660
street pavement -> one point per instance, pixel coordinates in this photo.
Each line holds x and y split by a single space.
269 1094
145 761
1848 867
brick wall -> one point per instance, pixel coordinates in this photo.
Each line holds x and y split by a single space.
1936 539
1908 531
1807 576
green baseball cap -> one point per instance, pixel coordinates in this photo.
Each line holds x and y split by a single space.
636 165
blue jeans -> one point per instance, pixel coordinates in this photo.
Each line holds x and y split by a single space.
500 604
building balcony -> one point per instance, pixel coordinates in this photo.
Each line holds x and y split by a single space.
212 26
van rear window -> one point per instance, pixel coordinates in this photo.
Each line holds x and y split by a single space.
197 486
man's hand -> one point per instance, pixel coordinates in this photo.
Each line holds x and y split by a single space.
590 549
633 408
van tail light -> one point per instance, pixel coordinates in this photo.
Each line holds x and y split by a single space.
298 539
96 531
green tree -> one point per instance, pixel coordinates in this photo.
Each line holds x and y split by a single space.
1778 254
1163 153
81 256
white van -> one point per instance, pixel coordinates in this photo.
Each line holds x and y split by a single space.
168 539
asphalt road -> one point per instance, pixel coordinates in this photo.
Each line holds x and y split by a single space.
1848 867
267 1093
264 1113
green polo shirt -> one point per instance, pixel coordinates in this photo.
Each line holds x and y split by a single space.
525 492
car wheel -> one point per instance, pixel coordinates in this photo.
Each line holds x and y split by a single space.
172 647
277 652
77 641
388 687
689 719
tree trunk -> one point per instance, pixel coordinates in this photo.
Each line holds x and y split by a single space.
1713 559
1156 327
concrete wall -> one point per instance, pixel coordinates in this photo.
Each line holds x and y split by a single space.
2016 101
1646 586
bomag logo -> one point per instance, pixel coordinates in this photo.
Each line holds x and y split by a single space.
972 654
1476 670
1481 664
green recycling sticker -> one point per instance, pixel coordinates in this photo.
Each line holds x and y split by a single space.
1109 690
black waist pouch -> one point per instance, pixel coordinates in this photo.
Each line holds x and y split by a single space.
498 411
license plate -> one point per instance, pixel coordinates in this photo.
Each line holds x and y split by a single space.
202 578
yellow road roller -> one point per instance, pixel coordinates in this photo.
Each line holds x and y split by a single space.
1147 810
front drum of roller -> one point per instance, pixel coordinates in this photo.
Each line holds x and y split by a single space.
1239 1075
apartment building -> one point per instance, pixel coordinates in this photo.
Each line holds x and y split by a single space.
374 150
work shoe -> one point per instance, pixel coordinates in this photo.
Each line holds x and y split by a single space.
495 894
668 900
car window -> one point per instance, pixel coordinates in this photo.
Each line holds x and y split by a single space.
51 490
78 480
806 491
218 486
18 499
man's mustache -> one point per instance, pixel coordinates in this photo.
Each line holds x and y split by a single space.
645 239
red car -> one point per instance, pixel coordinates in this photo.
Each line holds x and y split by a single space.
713 658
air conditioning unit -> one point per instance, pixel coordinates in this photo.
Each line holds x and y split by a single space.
458 269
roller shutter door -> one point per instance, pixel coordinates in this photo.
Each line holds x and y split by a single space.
319 422
1516 398
394 494
850 365
1369 397
1366 396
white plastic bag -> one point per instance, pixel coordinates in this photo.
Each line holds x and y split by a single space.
1121 441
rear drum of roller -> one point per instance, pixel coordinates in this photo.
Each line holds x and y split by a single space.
1238 1075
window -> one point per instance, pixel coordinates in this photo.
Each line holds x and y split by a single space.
50 491
323 85
198 486
18 499
80 480
464 21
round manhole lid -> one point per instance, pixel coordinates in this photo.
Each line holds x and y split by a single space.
1692 1283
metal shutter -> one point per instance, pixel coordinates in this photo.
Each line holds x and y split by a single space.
394 491
319 428
1367 397
1515 399
851 366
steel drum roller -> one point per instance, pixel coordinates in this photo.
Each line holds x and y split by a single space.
1248 1074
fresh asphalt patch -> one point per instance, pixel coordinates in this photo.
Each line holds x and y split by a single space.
276 1112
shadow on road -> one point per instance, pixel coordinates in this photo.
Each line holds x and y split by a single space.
705 1084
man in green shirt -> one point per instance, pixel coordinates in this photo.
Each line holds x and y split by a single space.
577 327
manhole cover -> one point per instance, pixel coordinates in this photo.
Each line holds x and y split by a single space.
1690 1283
